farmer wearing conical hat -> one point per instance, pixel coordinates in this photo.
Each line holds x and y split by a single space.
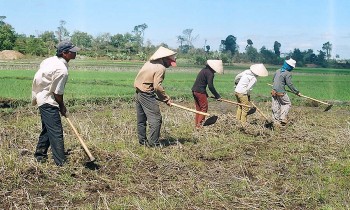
244 82
205 78
281 103
148 85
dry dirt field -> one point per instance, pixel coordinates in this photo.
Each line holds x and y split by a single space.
303 166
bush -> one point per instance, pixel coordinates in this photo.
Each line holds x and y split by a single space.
200 60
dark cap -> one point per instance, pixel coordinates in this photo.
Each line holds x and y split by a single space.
66 46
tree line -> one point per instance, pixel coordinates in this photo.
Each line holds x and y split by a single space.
132 46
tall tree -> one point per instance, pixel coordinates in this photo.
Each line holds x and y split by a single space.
229 44
2 22
321 59
249 43
35 46
328 48
48 37
252 53
189 38
30 45
82 39
277 48
207 48
139 32
181 40
7 37
298 56
62 32
184 47
186 40
102 41
310 56
21 43
118 41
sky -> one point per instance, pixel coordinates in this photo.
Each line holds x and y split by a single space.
302 24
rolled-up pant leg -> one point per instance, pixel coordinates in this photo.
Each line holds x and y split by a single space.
148 110
52 134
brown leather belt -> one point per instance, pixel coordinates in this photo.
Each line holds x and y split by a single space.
274 93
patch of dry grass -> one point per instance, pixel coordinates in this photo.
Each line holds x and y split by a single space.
225 166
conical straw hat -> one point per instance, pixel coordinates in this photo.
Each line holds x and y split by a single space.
162 52
291 62
216 65
259 69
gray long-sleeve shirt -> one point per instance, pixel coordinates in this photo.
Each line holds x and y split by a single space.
281 79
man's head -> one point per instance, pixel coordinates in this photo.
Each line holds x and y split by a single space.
166 55
66 50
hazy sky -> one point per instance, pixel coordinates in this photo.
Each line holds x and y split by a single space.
303 24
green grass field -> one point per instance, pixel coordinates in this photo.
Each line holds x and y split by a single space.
330 85
224 166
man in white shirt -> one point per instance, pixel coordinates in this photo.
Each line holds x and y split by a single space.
244 84
47 93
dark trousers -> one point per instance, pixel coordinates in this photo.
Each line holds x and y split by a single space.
147 110
51 134
201 102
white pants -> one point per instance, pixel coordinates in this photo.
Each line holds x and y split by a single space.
280 108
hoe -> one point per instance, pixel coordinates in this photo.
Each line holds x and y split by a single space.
90 164
251 110
269 123
211 120
329 106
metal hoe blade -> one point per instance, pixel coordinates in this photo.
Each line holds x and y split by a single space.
251 110
328 107
211 120
269 124
92 165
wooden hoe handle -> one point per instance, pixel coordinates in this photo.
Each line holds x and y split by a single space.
191 110
322 102
236 103
86 149
259 111
232 102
